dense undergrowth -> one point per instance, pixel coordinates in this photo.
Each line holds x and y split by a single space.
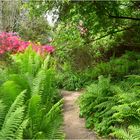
112 109
97 47
117 68
30 105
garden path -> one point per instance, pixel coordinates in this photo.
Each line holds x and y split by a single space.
74 127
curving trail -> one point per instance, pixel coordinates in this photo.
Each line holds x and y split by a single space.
74 127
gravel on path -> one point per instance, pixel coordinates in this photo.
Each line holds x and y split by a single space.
74 127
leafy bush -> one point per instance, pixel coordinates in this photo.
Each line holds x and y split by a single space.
117 67
34 29
68 79
107 107
11 43
133 132
41 106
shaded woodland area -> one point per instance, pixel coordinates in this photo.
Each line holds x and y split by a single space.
46 46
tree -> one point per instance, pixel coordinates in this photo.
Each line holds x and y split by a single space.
9 13
100 18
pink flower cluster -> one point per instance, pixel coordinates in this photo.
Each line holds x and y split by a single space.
12 43
42 49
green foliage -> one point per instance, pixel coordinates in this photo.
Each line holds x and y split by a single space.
117 67
51 122
33 117
8 91
36 29
28 62
107 107
3 72
133 132
85 35
2 112
41 124
91 39
12 127
12 124
96 104
66 38
72 80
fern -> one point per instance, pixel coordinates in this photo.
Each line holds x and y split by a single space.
3 75
20 79
28 62
2 113
38 83
121 133
52 121
12 124
105 104
34 115
9 91
20 131
17 103
41 114
13 120
133 132
43 84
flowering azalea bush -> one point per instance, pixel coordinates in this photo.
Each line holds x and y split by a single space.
42 49
12 43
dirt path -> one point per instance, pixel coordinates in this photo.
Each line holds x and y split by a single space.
74 126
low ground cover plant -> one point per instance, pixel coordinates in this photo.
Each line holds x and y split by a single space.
113 109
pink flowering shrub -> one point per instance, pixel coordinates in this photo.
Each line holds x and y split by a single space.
11 43
42 50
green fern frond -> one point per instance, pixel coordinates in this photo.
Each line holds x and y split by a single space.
9 91
13 118
20 130
122 134
35 114
12 123
3 75
19 79
52 121
43 85
28 62
17 103
38 83
134 131
2 113
49 90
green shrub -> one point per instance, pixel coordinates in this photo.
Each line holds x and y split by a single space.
36 29
41 106
108 107
68 79
117 68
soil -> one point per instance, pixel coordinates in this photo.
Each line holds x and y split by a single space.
74 127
